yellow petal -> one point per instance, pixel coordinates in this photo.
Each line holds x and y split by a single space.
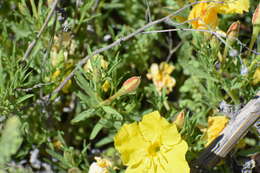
234 6
152 126
106 86
256 77
170 135
140 168
215 126
204 15
176 158
131 144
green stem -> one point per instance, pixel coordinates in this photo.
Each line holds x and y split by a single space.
223 59
256 30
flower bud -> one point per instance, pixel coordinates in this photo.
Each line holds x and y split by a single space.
130 84
232 32
256 16
256 21
231 35
256 28
179 121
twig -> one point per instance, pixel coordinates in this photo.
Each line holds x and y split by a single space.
172 51
218 35
34 87
118 42
33 43
229 137
148 12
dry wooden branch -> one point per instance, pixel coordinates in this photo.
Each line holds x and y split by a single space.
230 136
33 43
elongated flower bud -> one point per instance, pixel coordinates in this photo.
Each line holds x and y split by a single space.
233 32
256 16
179 121
131 84
256 28
232 35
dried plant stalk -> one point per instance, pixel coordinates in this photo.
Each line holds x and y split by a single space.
230 136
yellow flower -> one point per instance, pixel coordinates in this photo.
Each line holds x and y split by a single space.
256 77
161 76
204 15
207 12
103 63
215 126
100 166
152 145
106 86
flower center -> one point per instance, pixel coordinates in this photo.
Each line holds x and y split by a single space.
153 149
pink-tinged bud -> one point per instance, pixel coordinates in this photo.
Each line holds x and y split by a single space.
256 28
256 16
233 31
131 84
179 121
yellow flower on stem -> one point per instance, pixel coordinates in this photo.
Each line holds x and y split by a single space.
215 126
88 67
106 86
204 15
161 76
153 145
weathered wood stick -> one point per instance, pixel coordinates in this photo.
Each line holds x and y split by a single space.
229 137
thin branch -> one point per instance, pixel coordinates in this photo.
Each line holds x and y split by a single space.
34 87
218 35
120 40
148 12
34 42
172 51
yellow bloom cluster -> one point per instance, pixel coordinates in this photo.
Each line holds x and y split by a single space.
88 67
204 15
153 145
160 74
215 126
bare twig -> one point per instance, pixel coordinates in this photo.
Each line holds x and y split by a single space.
34 87
229 137
119 41
33 43
172 51
218 35
148 12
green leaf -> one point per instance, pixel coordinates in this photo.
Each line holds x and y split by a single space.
23 98
104 141
112 111
96 130
83 115
11 139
